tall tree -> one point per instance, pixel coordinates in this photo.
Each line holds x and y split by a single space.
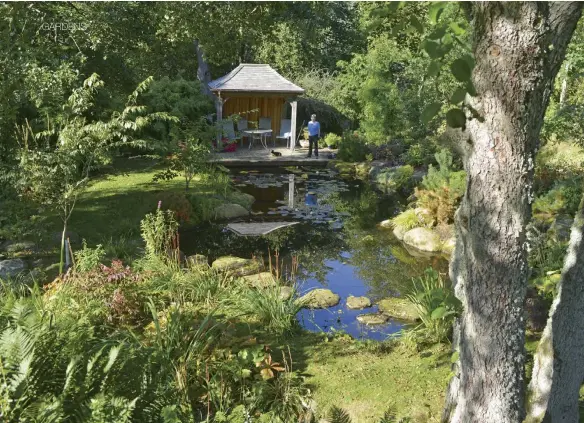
558 370
518 49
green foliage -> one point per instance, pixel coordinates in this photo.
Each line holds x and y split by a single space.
407 220
442 188
437 306
546 259
338 415
277 315
420 152
564 197
332 140
397 178
158 232
88 259
352 148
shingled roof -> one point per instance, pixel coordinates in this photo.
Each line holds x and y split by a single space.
249 77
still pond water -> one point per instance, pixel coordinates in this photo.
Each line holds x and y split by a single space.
335 245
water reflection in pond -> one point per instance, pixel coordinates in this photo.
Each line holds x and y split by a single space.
336 244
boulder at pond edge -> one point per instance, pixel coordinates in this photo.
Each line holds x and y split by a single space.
399 308
319 298
11 268
236 266
230 211
423 239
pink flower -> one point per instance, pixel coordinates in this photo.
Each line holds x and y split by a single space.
159 204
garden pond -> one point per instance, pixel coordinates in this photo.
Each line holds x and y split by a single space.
336 244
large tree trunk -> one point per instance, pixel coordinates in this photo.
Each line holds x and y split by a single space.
558 369
518 48
203 73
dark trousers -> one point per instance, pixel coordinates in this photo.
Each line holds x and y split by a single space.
313 140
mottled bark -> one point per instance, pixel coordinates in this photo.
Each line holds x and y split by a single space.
518 49
203 73
558 369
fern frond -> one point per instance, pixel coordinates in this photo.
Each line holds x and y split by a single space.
389 417
338 415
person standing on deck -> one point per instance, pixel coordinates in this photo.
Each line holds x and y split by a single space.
313 135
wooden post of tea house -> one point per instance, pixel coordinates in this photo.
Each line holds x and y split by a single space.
219 108
294 105
255 91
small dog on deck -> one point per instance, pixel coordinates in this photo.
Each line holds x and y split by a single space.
276 154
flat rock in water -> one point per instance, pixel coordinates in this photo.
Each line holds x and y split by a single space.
320 298
261 280
11 268
399 308
372 318
358 303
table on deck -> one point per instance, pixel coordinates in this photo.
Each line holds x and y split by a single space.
263 133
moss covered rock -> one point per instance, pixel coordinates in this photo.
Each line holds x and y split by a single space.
236 266
399 308
319 298
261 280
423 239
230 211
358 303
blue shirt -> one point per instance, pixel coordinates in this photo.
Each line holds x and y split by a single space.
313 128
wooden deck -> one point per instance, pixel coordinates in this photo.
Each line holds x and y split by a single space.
259 156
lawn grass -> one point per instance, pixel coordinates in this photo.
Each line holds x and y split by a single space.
366 378
115 202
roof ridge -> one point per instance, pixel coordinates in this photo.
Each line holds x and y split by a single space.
282 77
231 74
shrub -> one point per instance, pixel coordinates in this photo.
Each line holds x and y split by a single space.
332 140
564 197
159 232
437 307
277 315
442 189
352 148
88 259
419 154
178 204
408 220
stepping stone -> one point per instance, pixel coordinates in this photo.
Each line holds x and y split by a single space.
371 319
358 303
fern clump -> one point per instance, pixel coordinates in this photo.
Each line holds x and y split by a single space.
406 220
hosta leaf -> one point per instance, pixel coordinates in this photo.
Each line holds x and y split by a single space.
458 96
455 118
438 313
417 24
434 68
456 28
433 49
430 111
437 33
461 70
436 10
